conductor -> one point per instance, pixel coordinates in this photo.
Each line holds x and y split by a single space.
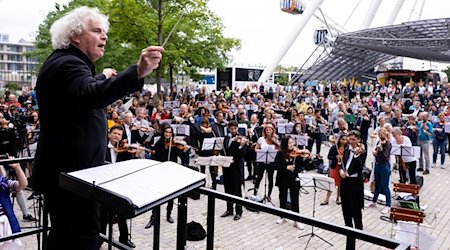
75 139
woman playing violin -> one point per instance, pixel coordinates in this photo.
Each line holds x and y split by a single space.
288 167
335 161
268 141
167 149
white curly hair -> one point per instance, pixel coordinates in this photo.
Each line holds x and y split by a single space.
74 23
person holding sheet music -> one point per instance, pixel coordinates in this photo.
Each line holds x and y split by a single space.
382 169
335 162
267 141
352 185
288 168
233 176
406 163
167 149
439 139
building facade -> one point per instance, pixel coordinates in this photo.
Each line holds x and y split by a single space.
15 65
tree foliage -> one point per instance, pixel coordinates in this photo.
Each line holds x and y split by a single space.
197 40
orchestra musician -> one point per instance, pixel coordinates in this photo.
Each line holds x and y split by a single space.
268 141
207 132
382 170
250 156
352 185
406 163
315 133
335 157
168 149
288 167
233 176
117 154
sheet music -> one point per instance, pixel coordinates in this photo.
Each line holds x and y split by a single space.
409 151
215 143
181 129
300 140
266 156
104 173
171 104
142 181
447 127
316 180
219 160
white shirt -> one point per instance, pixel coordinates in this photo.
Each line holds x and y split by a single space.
406 142
113 153
349 161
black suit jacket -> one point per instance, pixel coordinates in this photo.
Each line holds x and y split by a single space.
356 167
74 138
237 167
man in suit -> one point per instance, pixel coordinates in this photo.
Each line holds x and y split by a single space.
352 185
233 176
116 154
75 139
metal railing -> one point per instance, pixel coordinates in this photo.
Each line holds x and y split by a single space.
339 229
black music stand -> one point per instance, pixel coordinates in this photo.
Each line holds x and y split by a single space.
315 181
409 151
266 157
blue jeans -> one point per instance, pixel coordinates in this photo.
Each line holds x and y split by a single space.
439 145
382 176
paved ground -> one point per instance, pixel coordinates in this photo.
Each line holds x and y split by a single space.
259 230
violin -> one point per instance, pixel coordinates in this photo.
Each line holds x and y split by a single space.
123 147
170 143
299 152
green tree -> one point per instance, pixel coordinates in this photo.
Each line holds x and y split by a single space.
196 40
447 71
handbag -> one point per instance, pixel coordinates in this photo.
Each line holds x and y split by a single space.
314 164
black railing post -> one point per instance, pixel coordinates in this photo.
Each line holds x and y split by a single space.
210 221
182 221
156 213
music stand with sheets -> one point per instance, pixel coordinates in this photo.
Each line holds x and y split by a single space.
285 128
409 151
266 156
300 140
316 181
181 129
171 104
135 186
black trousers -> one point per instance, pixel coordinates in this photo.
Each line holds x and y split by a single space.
351 206
294 188
75 221
412 173
232 186
121 222
261 167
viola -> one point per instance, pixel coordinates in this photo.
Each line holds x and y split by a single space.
124 147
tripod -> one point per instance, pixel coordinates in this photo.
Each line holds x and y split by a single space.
266 198
312 234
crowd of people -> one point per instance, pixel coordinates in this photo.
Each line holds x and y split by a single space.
104 122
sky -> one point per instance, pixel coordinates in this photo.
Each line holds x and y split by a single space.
260 24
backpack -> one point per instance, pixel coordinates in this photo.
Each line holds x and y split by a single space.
195 231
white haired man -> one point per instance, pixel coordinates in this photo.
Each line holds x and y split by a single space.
68 76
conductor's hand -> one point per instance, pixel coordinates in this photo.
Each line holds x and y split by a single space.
291 168
109 72
149 60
